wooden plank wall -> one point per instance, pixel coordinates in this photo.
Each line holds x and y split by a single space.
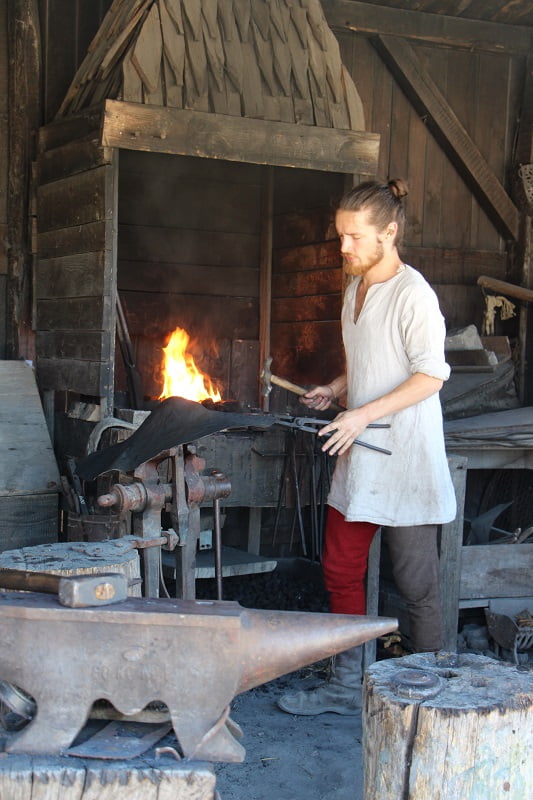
67 29
3 175
448 235
76 265
306 277
188 256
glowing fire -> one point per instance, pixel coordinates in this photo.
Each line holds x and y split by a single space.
182 376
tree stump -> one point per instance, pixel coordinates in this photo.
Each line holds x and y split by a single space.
78 558
447 727
144 778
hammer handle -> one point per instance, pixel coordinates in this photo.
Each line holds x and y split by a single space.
75 591
299 390
291 387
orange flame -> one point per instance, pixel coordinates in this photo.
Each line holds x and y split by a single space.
182 378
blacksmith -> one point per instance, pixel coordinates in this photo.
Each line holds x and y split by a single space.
393 333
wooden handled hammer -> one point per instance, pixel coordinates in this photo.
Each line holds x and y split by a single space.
267 379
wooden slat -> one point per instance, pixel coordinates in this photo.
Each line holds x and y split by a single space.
173 44
71 276
28 463
307 283
73 157
314 225
68 241
71 344
190 205
446 265
156 315
72 314
312 256
451 542
460 305
213 136
218 281
63 131
186 169
436 28
496 570
68 375
185 248
148 50
76 200
300 309
307 352
423 92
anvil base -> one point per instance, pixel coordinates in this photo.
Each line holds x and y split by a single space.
121 780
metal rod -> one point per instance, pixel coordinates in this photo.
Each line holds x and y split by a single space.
218 548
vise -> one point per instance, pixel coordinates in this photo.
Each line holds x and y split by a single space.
181 496
193 656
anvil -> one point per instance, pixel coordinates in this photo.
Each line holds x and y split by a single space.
193 656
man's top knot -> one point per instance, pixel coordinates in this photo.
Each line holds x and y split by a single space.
398 187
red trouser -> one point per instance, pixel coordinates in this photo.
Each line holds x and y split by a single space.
344 562
415 564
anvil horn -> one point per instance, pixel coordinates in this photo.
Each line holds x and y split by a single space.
276 643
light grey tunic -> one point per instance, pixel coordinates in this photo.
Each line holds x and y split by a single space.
399 332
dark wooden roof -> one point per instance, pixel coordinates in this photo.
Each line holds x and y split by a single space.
508 12
264 59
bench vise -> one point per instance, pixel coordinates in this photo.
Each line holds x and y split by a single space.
181 495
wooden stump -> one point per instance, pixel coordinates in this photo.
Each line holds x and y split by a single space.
78 558
49 778
448 727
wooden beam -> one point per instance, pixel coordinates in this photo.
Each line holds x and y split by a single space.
508 289
427 98
265 274
470 34
278 144
24 54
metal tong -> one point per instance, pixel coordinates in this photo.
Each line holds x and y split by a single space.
312 425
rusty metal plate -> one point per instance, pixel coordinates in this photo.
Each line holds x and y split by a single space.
121 739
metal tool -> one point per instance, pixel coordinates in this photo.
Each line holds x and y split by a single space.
312 425
75 591
267 379
186 489
133 376
194 657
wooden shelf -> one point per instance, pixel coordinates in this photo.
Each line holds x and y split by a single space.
234 562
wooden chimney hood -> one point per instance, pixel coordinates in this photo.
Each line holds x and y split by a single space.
258 81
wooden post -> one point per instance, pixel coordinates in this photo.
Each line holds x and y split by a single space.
458 726
78 558
48 777
451 546
265 275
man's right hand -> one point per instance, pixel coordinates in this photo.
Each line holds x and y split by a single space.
320 398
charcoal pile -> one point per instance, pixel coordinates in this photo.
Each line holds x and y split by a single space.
281 590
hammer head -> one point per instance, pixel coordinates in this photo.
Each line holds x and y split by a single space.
266 376
80 591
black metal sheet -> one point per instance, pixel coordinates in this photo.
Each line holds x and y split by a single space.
175 421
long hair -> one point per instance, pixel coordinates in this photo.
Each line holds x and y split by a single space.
383 201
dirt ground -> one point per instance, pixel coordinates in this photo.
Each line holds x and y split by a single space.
290 757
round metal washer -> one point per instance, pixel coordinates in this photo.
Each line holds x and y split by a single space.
17 700
417 684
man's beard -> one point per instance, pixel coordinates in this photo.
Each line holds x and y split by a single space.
362 266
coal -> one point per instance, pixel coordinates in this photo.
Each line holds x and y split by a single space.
284 589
